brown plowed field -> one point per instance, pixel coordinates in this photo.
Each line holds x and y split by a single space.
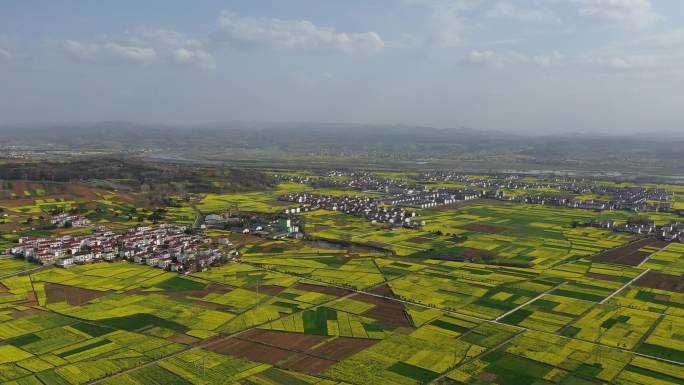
385 310
271 289
329 290
420 240
183 339
383 290
341 348
74 296
250 350
290 341
656 280
329 348
483 228
309 364
629 254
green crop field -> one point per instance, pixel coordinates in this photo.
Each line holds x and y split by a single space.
486 292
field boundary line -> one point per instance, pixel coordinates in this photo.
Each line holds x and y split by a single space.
623 287
477 357
23 272
650 255
529 302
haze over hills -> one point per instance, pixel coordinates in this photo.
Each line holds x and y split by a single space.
659 153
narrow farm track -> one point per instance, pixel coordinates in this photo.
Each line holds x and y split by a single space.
529 302
23 272
477 357
616 292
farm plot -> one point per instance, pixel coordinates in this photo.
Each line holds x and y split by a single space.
301 352
419 357
669 260
533 236
476 290
152 314
197 366
78 353
118 277
262 201
613 326
536 357
243 275
358 273
13 265
326 321
632 254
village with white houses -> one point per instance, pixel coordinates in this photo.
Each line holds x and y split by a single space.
165 246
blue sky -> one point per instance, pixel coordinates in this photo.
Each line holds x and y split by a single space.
521 66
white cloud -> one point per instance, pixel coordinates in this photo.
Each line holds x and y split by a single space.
194 56
667 40
109 51
292 34
506 9
490 58
6 48
637 64
142 46
447 19
5 54
636 14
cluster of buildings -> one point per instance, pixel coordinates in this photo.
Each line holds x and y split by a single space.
632 227
67 220
165 246
364 207
671 232
362 181
630 198
263 225
303 179
554 200
274 229
432 198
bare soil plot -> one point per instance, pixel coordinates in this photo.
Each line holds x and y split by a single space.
183 339
309 364
656 280
383 290
285 340
329 290
603 277
468 254
250 350
420 240
385 310
330 348
16 314
211 288
629 254
341 348
483 228
271 289
74 296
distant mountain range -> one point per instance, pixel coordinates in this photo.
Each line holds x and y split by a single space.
397 142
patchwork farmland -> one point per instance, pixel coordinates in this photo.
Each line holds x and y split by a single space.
485 292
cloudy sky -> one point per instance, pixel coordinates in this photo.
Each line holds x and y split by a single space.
518 65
